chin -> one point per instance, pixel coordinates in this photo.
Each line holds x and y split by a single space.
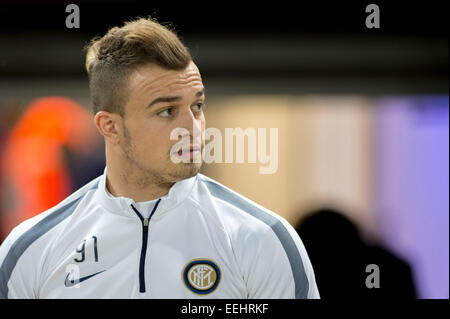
186 170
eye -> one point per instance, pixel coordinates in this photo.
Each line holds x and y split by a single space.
166 112
198 106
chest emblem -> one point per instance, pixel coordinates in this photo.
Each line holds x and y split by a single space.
201 276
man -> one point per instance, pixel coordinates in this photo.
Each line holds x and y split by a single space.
151 226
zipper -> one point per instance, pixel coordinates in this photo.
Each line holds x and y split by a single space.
145 222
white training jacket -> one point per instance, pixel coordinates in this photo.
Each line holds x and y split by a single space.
201 240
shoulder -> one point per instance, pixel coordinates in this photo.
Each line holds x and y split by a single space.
24 241
234 205
260 234
248 221
38 225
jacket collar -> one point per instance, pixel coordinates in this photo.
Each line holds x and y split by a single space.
122 205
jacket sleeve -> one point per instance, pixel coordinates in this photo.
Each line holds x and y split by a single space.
17 275
278 266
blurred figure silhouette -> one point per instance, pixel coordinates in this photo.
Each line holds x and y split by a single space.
339 257
49 139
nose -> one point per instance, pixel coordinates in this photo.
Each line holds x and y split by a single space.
192 124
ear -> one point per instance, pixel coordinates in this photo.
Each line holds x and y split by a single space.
108 124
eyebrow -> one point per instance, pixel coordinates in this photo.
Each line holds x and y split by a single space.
168 99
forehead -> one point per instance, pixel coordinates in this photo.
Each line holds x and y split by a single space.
152 79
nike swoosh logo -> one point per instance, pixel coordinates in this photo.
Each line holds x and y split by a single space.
71 283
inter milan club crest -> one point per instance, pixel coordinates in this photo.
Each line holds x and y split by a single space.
201 276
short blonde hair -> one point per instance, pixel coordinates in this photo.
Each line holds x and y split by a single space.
111 59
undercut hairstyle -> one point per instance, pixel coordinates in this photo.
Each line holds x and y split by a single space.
111 59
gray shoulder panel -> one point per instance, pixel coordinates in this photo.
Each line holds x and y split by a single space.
29 237
300 278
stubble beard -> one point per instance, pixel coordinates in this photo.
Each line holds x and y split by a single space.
136 172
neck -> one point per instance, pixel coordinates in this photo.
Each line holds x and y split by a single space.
121 182
120 188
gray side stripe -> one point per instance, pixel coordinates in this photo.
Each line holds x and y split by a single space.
300 278
29 237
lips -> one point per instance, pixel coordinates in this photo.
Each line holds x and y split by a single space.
187 150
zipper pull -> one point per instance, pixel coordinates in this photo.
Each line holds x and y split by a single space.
146 222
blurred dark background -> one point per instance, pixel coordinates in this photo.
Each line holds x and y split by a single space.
296 47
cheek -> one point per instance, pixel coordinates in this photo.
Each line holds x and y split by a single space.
146 141
158 144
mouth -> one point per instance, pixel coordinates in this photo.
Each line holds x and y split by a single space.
189 151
